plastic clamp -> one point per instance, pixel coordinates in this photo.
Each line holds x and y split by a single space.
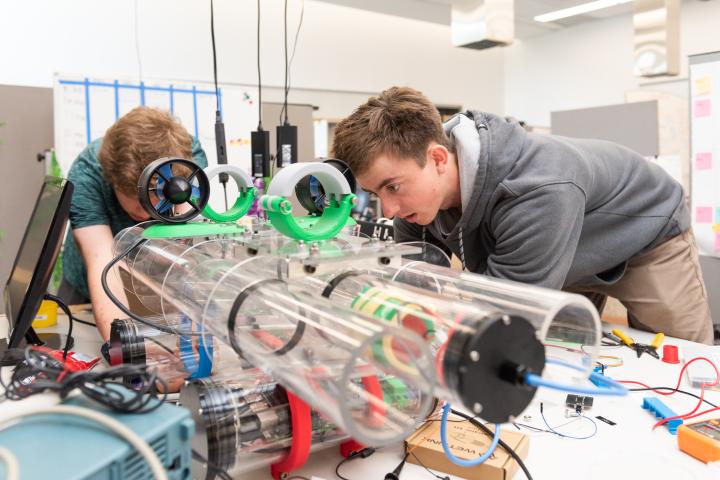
301 424
242 205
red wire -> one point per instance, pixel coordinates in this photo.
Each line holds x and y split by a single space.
692 413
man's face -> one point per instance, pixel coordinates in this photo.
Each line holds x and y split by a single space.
132 207
406 190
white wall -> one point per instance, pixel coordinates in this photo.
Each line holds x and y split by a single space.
340 49
591 64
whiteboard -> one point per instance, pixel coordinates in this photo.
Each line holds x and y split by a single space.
86 107
705 150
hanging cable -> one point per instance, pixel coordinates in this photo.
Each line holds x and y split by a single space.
285 87
297 34
71 319
214 55
121 305
451 455
258 69
137 42
219 126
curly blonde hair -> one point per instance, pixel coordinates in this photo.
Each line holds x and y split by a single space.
141 136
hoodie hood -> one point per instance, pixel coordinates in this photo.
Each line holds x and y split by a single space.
487 148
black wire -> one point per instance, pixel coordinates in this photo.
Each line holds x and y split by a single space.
364 453
76 319
167 349
490 433
121 305
674 390
258 69
222 473
297 35
39 371
285 105
337 469
534 429
65 309
426 468
212 36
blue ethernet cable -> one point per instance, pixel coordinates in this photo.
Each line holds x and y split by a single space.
451 455
611 386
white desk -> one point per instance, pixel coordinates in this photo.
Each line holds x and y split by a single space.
628 450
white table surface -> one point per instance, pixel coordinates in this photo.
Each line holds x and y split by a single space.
630 449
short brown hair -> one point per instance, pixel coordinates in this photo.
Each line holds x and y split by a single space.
400 121
141 136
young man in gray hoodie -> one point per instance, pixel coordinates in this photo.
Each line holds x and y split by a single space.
586 216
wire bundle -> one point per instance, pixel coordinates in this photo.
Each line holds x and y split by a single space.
40 371
694 412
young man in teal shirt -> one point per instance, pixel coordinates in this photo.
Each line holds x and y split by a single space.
105 201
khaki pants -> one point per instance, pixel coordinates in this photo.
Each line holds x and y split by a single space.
663 291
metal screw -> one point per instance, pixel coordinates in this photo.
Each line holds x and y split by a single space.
309 269
384 260
477 408
474 356
511 419
506 319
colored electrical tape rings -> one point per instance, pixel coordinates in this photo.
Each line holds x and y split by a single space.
244 201
373 301
334 217
173 182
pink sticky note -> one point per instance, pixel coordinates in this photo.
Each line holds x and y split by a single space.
703 214
717 241
703 161
703 108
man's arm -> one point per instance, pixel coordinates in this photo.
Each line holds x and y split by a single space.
95 245
537 235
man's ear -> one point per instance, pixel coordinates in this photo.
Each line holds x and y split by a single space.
439 155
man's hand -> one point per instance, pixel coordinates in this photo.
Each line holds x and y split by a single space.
95 244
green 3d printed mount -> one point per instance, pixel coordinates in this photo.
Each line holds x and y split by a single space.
162 187
334 216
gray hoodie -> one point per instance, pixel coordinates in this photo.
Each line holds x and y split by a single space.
551 210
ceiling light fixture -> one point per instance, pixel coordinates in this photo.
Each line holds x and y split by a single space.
578 10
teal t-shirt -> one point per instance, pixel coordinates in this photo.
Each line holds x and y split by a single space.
94 203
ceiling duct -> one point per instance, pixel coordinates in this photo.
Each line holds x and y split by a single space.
482 24
657 37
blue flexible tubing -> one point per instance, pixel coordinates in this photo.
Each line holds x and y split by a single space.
613 387
448 452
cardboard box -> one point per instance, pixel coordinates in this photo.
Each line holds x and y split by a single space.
467 442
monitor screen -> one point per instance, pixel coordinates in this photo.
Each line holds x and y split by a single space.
35 260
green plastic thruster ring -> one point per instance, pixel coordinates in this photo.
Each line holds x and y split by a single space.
242 204
334 216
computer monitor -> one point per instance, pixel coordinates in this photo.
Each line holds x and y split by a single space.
36 258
